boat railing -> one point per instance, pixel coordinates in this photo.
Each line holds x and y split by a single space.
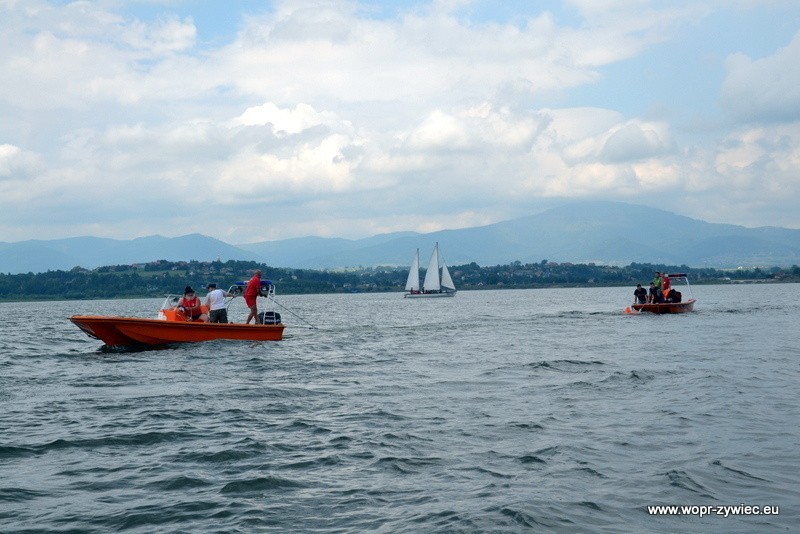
685 279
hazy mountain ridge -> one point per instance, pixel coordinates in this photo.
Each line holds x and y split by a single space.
602 232
90 252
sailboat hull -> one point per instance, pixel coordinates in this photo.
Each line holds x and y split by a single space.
429 295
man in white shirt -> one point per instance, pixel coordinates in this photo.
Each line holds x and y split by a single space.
215 301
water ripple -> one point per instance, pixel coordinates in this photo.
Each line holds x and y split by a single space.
504 411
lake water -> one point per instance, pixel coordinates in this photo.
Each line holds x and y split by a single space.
541 410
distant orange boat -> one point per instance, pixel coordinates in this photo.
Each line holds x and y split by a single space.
173 327
666 307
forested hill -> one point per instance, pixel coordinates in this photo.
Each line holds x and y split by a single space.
158 278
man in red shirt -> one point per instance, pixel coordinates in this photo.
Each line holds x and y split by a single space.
251 295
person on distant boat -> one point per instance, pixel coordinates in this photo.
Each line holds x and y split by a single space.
655 296
665 285
640 294
215 302
191 307
251 295
674 296
657 280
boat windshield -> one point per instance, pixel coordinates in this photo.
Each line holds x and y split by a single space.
171 301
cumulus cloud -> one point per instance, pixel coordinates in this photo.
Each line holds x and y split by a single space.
766 88
16 163
75 55
432 54
286 121
634 141
328 120
310 169
749 177
166 36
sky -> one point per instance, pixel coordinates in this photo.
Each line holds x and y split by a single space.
254 120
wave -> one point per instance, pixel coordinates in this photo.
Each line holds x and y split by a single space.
406 465
179 483
259 485
130 440
739 472
20 494
682 479
325 461
567 365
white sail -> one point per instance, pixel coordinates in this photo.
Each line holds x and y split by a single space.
436 284
431 282
412 284
447 281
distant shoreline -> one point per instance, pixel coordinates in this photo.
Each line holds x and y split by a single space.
155 279
401 291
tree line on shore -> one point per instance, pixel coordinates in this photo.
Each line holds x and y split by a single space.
155 279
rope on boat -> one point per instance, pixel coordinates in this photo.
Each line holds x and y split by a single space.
293 313
272 298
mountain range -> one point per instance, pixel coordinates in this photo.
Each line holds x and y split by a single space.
612 233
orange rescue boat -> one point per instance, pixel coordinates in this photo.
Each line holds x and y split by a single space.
665 307
680 306
172 326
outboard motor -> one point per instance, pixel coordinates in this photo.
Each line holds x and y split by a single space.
268 317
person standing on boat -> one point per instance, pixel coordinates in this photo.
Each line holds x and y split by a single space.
665 285
191 306
251 295
657 280
215 302
640 294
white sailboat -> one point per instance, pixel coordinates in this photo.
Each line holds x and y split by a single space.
437 283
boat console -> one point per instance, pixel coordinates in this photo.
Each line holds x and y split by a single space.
267 289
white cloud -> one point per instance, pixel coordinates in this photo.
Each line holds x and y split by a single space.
16 163
764 89
310 169
440 131
338 123
635 141
167 36
310 52
286 121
